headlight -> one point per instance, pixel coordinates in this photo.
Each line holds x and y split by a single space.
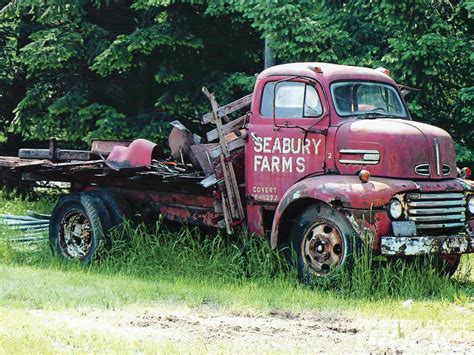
395 209
470 204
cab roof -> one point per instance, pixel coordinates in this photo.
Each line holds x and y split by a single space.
328 72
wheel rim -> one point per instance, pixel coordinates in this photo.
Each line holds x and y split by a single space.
75 235
323 248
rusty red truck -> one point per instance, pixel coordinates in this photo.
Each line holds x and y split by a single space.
326 158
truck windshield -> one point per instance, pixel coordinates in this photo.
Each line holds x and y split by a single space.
354 98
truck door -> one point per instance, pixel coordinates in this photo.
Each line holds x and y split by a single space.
286 137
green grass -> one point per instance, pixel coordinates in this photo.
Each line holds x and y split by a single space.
159 267
186 255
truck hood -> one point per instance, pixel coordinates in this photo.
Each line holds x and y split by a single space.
395 148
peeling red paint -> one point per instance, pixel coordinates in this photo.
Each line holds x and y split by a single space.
138 154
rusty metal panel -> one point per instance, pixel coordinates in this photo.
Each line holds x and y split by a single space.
104 147
139 153
192 215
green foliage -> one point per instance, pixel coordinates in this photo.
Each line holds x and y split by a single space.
83 69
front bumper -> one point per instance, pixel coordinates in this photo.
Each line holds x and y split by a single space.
453 244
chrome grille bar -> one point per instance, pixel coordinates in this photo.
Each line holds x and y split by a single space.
437 210
437 196
448 217
437 203
427 211
439 225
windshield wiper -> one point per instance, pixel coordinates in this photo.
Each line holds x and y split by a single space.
373 114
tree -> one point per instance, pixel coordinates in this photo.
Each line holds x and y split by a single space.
83 69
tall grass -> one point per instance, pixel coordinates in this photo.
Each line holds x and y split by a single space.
187 252
160 252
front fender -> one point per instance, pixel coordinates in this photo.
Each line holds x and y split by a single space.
344 191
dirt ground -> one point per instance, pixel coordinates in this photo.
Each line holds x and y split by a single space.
210 329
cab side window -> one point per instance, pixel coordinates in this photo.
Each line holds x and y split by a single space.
292 100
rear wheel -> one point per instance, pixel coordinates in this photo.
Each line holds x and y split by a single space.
79 225
322 241
118 209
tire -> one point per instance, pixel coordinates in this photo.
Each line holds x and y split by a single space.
79 226
322 241
118 209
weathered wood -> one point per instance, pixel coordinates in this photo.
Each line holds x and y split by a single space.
60 154
232 198
228 109
227 128
231 146
216 120
227 218
240 210
229 187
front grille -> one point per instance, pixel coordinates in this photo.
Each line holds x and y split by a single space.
437 210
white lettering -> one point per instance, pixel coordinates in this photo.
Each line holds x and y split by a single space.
300 164
257 161
266 145
316 144
295 150
276 146
257 145
306 146
275 164
286 143
286 164
265 164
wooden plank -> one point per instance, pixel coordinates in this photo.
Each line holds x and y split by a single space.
227 128
227 218
231 146
238 202
234 210
61 154
229 188
228 109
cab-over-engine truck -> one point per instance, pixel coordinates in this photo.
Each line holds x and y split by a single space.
327 152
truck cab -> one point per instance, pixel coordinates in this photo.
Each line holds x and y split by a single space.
333 151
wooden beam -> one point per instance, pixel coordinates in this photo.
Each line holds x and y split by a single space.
227 128
228 109
231 146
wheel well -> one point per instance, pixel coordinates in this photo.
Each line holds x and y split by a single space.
289 217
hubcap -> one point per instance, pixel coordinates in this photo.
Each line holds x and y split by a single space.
323 248
75 235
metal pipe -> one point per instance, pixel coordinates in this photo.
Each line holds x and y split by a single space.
19 218
23 223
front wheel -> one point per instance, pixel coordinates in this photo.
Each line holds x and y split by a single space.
322 241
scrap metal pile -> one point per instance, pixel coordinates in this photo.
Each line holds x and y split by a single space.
215 168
